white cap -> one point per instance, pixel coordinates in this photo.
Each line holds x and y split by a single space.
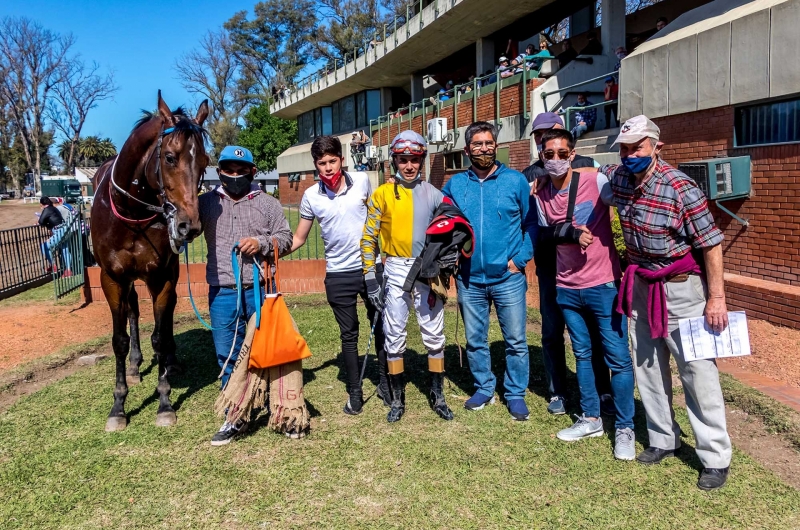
637 128
502 58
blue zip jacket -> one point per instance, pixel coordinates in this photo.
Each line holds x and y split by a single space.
498 210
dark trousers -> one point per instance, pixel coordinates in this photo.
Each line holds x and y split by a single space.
343 290
608 109
553 348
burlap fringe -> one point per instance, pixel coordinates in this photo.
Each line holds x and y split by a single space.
247 390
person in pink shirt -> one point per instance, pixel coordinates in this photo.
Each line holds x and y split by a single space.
574 213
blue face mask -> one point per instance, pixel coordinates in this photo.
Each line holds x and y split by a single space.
637 165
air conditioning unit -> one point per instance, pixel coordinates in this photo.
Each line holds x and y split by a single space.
721 178
372 152
437 131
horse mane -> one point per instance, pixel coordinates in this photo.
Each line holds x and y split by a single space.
184 125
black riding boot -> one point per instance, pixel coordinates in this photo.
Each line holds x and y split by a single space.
355 402
436 397
383 385
397 383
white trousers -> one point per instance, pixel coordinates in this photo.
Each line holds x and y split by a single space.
398 304
700 378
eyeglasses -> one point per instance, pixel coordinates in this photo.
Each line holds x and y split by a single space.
478 145
550 154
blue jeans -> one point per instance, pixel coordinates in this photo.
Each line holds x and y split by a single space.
554 355
509 301
222 309
594 307
59 233
579 130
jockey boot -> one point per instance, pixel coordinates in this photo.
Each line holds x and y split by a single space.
436 397
383 391
355 402
397 383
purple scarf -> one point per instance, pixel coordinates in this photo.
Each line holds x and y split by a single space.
657 315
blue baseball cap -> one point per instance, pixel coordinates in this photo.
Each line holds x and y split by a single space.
236 153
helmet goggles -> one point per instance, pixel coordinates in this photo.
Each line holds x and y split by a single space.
408 147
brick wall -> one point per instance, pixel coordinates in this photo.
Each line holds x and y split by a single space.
768 249
292 192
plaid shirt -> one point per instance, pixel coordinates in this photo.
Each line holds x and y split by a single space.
588 116
226 221
664 217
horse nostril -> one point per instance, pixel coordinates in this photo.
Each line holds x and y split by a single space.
184 228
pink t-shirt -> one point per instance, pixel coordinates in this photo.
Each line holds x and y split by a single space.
599 263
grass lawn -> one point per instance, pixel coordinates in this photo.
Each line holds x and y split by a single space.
58 469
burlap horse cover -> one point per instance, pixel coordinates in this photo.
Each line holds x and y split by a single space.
247 391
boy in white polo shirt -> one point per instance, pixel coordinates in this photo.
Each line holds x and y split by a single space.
339 204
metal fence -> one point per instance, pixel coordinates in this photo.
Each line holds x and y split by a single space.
67 248
22 260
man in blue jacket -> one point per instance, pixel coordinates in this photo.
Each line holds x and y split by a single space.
496 200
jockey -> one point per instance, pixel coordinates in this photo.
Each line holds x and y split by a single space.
398 215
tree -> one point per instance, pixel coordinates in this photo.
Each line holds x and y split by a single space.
93 151
266 136
274 45
215 72
32 62
349 25
79 91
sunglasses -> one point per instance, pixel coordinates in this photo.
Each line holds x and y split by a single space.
550 154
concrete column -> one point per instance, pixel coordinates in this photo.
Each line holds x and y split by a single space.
484 56
417 93
613 26
386 100
582 21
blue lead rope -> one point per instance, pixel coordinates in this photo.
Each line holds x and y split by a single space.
237 274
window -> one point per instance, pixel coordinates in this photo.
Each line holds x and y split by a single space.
294 177
361 109
344 115
769 123
326 120
456 160
502 155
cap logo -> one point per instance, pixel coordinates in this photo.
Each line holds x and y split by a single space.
625 127
442 224
239 153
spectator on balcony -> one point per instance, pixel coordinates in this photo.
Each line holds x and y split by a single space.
584 119
489 80
611 93
593 46
566 56
621 53
661 23
534 60
505 68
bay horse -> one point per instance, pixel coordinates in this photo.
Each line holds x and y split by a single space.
145 209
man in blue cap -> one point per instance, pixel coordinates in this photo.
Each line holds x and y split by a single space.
237 213
553 325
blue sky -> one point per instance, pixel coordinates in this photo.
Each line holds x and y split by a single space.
138 40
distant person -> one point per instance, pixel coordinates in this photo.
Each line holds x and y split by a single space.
566 56
538 58
611 93
505 68
489 80
621 53
593 46
52 220
661 23
584 119
448 87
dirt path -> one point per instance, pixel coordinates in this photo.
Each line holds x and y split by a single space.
36 329
14 214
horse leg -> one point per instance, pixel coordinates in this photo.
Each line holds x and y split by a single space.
164 300
132 376
117 298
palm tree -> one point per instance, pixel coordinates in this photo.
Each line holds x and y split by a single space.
107 149
64 152
89 149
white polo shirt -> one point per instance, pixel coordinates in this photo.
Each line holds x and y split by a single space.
341 218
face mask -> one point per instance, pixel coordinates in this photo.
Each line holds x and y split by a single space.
621 55
637 165
333 181
235 186
557 168
483 161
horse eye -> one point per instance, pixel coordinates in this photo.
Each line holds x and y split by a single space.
170 159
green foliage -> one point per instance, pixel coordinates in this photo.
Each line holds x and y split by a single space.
619 240
266 136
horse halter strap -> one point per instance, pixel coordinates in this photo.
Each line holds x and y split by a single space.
167 208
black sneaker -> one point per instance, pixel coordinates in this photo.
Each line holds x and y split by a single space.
713 479
228 432
654 455
355 403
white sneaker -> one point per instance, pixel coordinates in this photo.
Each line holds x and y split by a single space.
624 444
582 428
228 432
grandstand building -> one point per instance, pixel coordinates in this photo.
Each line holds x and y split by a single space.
722 81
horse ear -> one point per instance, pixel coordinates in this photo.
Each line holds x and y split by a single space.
163 110
202 112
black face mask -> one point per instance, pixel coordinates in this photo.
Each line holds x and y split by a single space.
235 186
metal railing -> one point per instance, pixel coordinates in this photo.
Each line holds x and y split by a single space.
67 252
22 261
479 86
369 47
567 111
544 95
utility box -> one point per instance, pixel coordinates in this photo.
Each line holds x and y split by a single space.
372 152
437 131
721 178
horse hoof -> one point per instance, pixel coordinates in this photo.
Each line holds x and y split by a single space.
116 423
166 419
132 380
